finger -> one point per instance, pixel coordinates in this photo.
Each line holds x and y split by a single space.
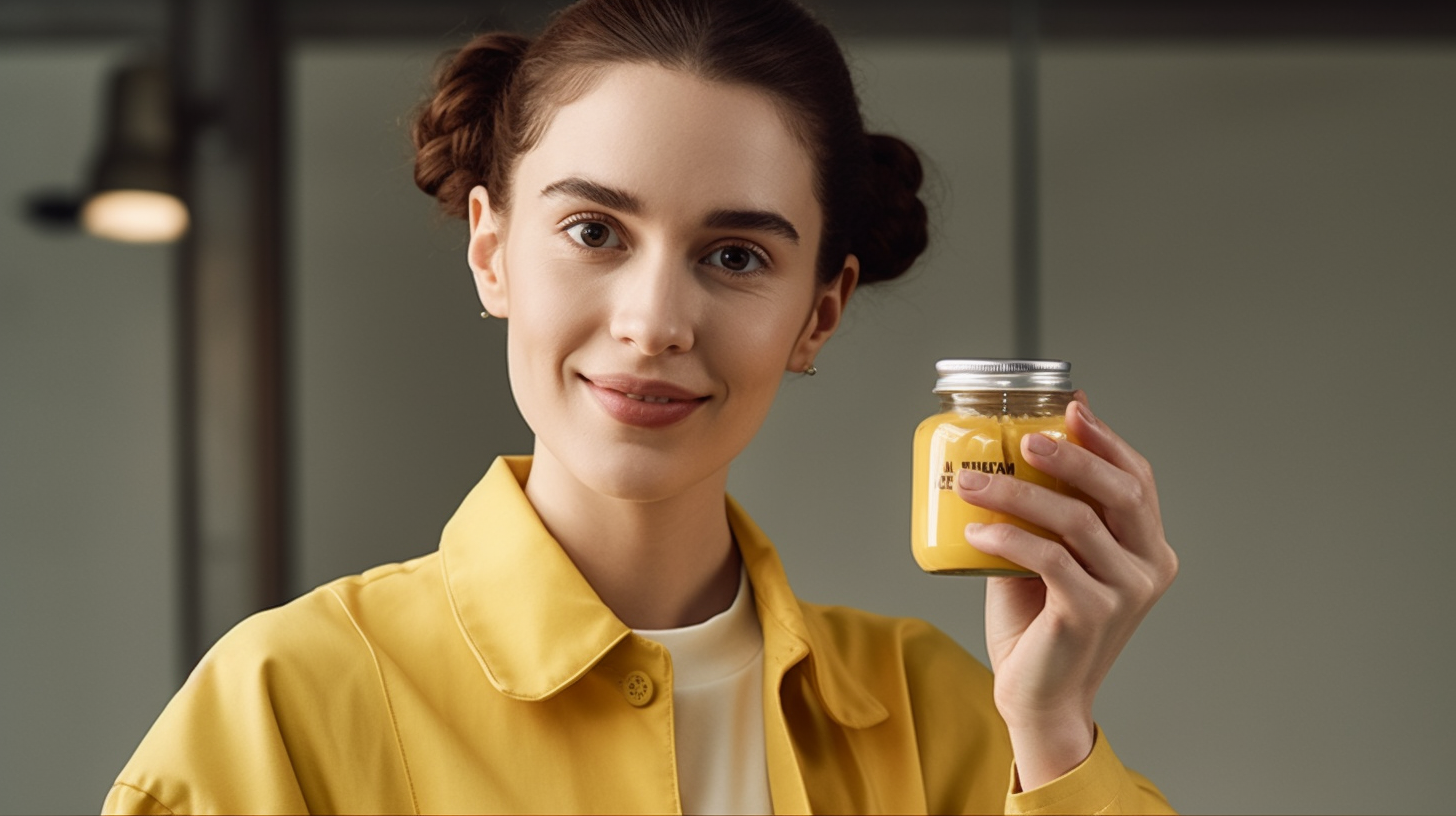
1129 506
1075 522
1094 435
1149 542
1054 563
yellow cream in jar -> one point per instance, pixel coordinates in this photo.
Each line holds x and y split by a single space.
987 406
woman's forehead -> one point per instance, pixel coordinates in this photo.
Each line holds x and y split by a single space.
674 141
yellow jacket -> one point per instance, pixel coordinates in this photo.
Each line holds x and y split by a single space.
488 677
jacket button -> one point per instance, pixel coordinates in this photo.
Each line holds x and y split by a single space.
638 688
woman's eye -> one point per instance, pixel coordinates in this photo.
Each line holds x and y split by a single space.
735 259
594 234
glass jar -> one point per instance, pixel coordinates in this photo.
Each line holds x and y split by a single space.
986 407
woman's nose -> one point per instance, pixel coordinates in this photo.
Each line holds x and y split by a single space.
654 310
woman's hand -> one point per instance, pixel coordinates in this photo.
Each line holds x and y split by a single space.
1052 639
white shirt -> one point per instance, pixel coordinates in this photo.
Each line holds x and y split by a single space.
717 698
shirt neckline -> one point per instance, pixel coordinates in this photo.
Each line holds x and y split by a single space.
716 648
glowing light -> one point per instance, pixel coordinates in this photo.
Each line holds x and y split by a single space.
135 216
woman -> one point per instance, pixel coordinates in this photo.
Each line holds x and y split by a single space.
671 203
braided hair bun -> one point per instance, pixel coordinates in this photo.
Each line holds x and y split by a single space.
894 226
454 132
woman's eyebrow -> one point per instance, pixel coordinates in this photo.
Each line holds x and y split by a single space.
623 201
609 197
758 220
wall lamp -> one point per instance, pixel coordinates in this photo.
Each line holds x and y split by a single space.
134 190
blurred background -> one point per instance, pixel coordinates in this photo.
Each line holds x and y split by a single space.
1235 219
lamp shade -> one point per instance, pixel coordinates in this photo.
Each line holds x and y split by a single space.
135 192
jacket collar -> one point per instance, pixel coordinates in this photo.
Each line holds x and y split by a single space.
789 636
537 626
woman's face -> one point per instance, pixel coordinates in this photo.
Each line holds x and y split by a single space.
657 269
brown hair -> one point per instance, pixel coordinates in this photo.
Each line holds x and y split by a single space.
494 98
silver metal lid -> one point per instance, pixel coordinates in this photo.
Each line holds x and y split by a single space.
992 374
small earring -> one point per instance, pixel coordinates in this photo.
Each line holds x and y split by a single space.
485 315
811 370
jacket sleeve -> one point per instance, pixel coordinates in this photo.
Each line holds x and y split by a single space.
1099 785
287 713
966 754
218 746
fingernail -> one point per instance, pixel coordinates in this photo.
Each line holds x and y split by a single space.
1041 444
1087 414
972 529
972 479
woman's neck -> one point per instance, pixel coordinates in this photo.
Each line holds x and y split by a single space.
656 564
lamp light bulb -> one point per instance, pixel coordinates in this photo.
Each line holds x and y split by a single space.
135 216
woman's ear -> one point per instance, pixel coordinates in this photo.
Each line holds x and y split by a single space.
828 308
486 254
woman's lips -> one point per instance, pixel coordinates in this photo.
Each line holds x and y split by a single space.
643 403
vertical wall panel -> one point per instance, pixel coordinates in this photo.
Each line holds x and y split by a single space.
88 590
400 399
1249 260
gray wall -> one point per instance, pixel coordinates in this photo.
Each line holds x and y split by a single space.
1252 252
87 593
400 388
1245 252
